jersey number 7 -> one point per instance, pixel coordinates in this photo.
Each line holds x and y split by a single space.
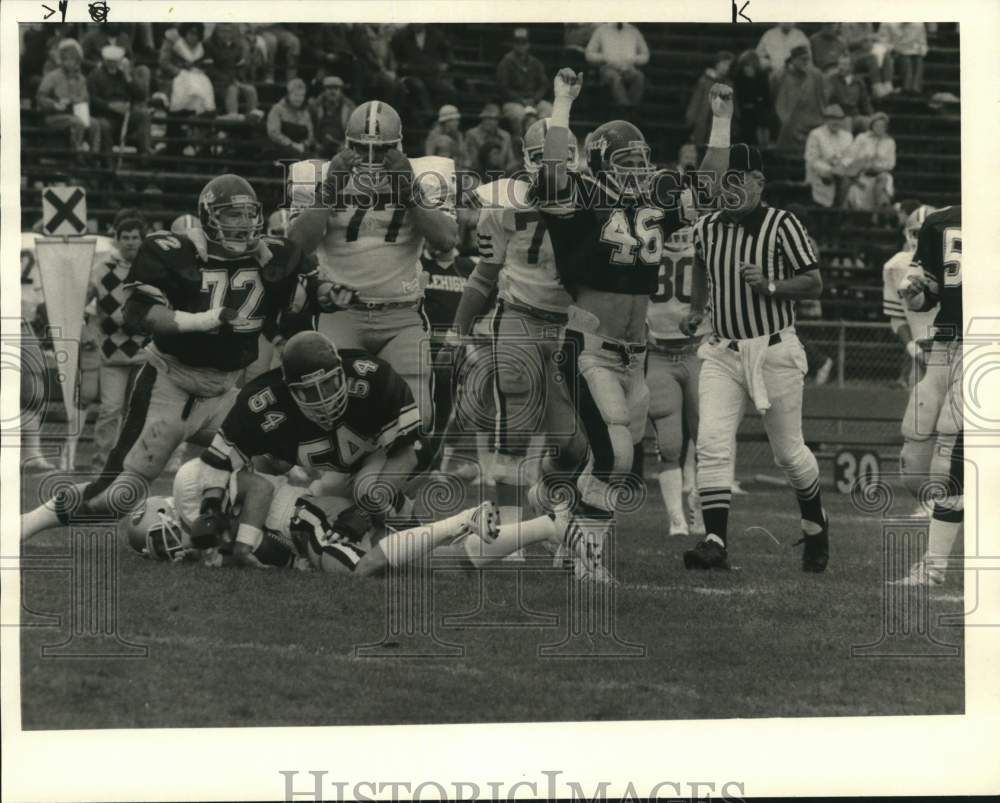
391 232
521 221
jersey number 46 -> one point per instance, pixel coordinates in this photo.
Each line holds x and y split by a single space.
644 241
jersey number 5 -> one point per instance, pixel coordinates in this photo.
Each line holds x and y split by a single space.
220 286
646 241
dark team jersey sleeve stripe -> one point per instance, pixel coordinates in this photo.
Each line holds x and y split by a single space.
795 243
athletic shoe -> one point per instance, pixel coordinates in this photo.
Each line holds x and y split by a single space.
678 526
483 520
921 575
696 524
708 554
583 540
816 552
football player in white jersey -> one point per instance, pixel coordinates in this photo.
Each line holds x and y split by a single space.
672 368
303 530
913 328
366 214
529 392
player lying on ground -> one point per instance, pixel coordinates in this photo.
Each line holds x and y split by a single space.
608 231
932 460
204 310
302 530
366 214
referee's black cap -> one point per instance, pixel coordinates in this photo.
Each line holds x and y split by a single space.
745 158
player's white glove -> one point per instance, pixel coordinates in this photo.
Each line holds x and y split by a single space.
332 296
913 349
721 97
911 291
207 321
567 84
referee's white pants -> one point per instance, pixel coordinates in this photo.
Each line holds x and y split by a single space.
722 402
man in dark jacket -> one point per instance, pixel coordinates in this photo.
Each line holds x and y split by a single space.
230 60
522 81
424 56
113 94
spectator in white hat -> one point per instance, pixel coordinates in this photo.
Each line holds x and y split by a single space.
522 81
828 159
487 132
115 96
445 138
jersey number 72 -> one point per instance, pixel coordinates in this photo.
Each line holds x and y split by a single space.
242 291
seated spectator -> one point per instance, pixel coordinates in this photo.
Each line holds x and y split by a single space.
488 131
908 44
799 100
619 49
424 55
100 36
374 51
775 48
846 90
445 138
872 160
64 96
522 81
330 112
699 109
229 54
113 95
752 100
329 47
277 38
492 162
289 125
827 158
576 35
182 58
827 47
870 62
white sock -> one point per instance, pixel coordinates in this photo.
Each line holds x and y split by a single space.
940 539
671 483
41 518
512 537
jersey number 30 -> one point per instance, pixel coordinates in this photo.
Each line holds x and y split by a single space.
645 242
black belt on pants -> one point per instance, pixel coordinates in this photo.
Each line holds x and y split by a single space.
773 340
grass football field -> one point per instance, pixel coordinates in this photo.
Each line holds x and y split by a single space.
279 648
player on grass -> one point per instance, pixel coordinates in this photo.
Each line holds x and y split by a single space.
529 392
608 231
932 460
204 303
367 214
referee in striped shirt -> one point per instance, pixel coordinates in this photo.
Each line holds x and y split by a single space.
752 263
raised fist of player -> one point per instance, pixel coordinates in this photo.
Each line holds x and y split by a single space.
689 323
721 98
567 84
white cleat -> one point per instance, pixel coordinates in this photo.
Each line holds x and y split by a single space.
921 575
584 543
483 520
678 526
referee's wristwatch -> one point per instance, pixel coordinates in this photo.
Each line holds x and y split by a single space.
771 287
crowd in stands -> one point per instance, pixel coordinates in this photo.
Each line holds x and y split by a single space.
815 98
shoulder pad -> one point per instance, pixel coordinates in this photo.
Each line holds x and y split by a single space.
172 253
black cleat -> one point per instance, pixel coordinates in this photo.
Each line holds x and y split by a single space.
707 555
816 549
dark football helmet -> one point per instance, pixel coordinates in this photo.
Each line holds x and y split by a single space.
618 153
373 129
230 214
314 373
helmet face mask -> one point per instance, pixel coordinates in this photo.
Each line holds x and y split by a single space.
373 129
231 215
155 531
321 396
534 148
631 168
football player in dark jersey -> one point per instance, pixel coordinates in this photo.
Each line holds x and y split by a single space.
607 231
204 303
932 455
345 413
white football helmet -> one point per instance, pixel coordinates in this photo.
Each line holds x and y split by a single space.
913 223
534 147
154 531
